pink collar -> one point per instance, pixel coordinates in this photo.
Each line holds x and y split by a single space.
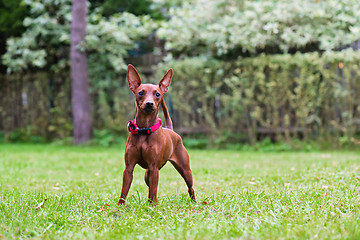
134 129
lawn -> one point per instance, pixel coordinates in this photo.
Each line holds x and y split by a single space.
240 195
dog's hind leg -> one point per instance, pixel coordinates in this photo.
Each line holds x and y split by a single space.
180 160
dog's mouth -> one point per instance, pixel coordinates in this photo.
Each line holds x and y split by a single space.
148 109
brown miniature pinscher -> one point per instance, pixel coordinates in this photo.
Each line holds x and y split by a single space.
148 144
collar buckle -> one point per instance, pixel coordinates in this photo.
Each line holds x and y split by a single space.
144 131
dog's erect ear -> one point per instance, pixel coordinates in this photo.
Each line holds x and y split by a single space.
166 80
133 78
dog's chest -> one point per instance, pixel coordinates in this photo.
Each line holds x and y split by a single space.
147 149
149 154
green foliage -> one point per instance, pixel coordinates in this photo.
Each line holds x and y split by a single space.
21 135
197 82
107 42
308 94
45 45
46 41
267 145
240 195
60 126
195 143
12 14
228 27
110 7
106 138
226 141
48 105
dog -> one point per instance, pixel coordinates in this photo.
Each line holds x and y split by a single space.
148 144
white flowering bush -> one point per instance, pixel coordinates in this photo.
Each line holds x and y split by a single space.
216 28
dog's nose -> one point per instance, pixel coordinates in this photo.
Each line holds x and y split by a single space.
149 104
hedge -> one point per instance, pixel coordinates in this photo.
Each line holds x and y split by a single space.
286 96
302 95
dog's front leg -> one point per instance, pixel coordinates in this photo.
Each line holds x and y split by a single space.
153 184
127 179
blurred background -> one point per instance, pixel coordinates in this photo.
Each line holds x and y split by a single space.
246 73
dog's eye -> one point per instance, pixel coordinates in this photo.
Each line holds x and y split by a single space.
141 93
157 94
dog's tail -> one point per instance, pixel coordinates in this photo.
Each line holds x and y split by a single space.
168 121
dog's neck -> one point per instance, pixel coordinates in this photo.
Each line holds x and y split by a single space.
144 120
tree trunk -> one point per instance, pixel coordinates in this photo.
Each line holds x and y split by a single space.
79 75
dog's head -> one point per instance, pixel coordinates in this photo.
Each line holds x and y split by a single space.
148 96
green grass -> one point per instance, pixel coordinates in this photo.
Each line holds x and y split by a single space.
240 195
